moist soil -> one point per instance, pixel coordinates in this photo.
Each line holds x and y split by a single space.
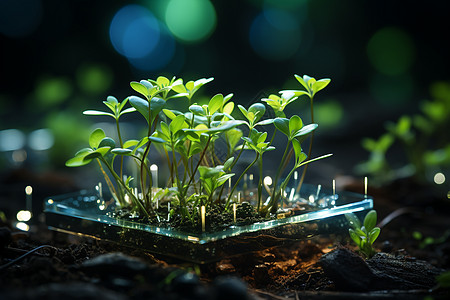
413 248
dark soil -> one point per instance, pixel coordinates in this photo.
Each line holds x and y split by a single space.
324 267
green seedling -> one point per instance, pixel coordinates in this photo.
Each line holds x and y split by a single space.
364 235
423 139
188 140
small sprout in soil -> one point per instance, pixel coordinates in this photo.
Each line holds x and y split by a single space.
189 141
364 236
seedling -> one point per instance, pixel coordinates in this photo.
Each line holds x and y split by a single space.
188 141
364 236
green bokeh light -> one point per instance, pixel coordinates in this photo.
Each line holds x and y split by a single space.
190 20
391 51
328 113
53 91
94 78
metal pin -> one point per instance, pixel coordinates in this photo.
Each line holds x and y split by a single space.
203 214
234 212
29 199
365 187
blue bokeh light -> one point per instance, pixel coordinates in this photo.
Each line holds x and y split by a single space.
134 31
275 35
161 55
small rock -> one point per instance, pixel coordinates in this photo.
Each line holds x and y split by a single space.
114 264
186 284
387 247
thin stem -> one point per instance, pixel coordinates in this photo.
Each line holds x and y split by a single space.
260 182
239 179
302 178
198 164
121 146
275 182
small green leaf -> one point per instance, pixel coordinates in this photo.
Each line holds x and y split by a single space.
107 142
197 110
97 153
140 88
295 124
130 143
370 220
258 109
282 124
306 130
222 179
373 234
243 111
320 84
353 220
302 82
121 151
96 137
228 163
128 110
140 105
155 139
97 113
215 103
355 237
169 114
177 124
77 161
156 105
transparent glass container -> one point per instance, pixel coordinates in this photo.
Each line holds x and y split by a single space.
85 213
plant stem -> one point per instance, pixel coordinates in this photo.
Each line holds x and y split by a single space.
121 146
260 182
275 182
198 164
302 178
239 179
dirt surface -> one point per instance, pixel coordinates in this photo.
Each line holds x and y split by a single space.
324 267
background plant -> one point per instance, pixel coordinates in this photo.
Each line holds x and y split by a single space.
364 235
423 139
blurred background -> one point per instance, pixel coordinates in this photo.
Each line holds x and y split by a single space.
385 58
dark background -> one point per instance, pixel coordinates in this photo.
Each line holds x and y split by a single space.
57 59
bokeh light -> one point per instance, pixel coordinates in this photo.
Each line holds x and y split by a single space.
52 91
134 31
160 56
93 78
12 139
328 113
19 18
190 20
391 51
275 34
41 139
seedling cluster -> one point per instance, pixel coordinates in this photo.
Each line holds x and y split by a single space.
364 235
188 139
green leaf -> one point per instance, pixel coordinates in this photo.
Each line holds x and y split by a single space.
155 139
233 136
320 84
83 152
162 81
228 163
295 124
121 151
373 234
222 179
243 111
96 137
302 82
77 161
169 114
140 105
370 220
258 109
140 88
215 103
297 149
97 153
177 124
156 105
282 124
128 110
355 237
306 130
97 113
112 100
353 220
130 143
107 142
265 122
197 110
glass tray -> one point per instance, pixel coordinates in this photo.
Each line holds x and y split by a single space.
84 213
